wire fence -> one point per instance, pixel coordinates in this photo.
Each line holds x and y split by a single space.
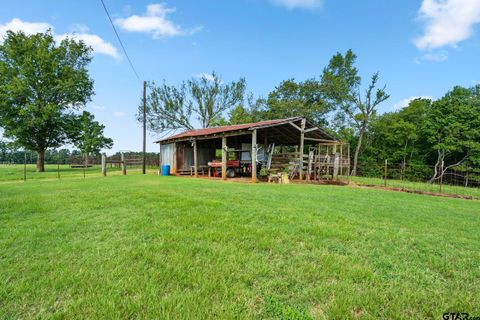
460 181
77 167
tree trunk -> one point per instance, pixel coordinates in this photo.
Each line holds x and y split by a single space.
41 160
357 152
436 174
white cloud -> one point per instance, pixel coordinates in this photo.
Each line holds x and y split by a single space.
154 22
447 22
97 107
435 57
404 102
205 75
28 27
304 4
119 114
99 45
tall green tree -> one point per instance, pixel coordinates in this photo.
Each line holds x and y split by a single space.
398 136
204 101
87 135
42 83
341 86
255 111
293 99
453 129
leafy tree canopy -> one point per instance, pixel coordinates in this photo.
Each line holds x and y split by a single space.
42 83
205 100
87 134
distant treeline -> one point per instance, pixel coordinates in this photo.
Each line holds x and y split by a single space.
12 155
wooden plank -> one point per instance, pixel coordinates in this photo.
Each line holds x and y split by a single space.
210 136
321 140
311 129
254 156
224 157
297 127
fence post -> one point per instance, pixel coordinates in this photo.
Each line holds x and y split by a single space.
466 179
441 176
58 168
124 165
25 167
104 164
386 172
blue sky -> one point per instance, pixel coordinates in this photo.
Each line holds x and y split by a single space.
420 47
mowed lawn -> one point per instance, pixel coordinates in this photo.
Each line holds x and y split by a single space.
179 248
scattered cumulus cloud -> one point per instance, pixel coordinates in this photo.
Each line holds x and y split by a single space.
404 102
99 45
298 4
97 107
119 114
435 57
29 28
155 22
205 75
447 22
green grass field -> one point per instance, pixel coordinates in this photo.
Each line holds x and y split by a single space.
179 248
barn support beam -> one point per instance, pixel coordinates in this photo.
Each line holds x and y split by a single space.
336 160
195 158
302 142
159 158
254 156
224 158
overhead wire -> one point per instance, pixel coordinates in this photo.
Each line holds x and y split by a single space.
120 40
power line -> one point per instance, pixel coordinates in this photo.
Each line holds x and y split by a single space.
120 40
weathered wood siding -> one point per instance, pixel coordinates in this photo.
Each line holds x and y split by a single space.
167 156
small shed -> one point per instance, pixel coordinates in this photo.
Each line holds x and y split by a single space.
225 151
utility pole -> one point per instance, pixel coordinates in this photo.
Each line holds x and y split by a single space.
144 163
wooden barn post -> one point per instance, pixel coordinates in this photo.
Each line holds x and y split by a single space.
302 141
254 156
348 156
341 160
104 164
195 158
224 158
159 159
335 162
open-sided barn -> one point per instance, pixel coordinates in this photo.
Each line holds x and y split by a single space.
292 144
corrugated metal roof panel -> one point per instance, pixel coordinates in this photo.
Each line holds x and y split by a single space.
216 130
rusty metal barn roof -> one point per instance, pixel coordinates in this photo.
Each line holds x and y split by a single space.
189 134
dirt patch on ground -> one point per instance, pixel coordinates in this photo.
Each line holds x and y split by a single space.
428 193
344 183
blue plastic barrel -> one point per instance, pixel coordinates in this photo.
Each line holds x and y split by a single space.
165 170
